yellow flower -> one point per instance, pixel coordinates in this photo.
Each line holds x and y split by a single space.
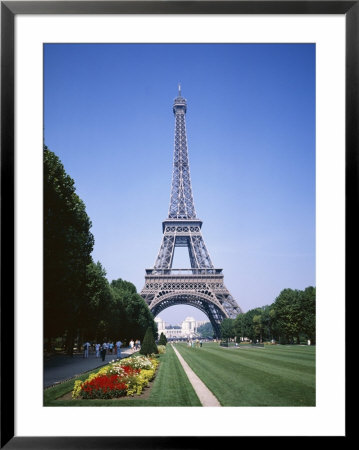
77 389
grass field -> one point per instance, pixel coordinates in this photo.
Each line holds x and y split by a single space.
271 376
275 375
171 387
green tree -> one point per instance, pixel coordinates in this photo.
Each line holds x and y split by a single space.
288 315
136 314
98 306
267 322
227 329
205 330
123 285
274 330
262 323
162 340
149 346
68 244
258 326
244 325
307 301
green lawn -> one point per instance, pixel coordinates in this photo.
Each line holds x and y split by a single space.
275 375
170 388
270 376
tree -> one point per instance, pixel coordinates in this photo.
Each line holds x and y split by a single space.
97 308
308 309
148 346
267 322
123 285
258 326
255 323
288 315
68 244
227 329
205 331
262 323
244 325
162 340
290 318
137 315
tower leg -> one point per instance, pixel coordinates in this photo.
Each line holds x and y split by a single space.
165 255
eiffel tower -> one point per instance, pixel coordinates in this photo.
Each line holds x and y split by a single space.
202 285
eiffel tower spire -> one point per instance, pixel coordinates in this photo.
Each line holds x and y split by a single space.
181 202
202 285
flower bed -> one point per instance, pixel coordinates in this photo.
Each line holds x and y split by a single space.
123 377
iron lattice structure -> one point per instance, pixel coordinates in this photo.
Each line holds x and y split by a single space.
202 285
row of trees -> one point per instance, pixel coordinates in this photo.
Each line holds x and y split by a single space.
290 319
79 302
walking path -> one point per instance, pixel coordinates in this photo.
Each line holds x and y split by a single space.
59 368
204 394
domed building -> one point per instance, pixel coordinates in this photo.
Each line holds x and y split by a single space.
188 328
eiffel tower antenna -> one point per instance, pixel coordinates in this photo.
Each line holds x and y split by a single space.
201 286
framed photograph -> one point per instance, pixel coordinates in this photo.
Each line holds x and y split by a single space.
85 77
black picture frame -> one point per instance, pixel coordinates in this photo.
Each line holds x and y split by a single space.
9 9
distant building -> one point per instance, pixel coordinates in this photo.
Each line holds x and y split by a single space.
161 324
188 328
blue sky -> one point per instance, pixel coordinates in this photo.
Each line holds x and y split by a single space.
251 140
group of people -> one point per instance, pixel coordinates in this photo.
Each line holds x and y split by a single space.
196 343
110 348
102 349
135 345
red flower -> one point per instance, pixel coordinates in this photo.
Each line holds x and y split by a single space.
104 386
130 370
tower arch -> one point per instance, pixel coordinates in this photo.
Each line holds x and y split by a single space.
213 311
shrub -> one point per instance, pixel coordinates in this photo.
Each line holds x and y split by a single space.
161 349
162 340
148 346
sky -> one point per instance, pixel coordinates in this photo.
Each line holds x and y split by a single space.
251 142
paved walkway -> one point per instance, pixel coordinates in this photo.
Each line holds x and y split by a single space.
204 394
58 368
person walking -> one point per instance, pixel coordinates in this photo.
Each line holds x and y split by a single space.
132 345
118 348
97 347
86 349
103 352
